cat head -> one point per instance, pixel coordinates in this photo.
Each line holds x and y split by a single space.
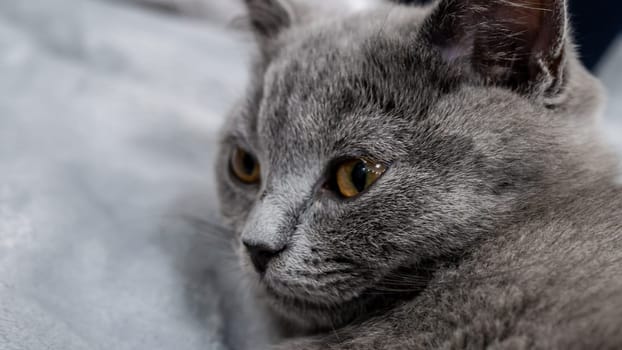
371 143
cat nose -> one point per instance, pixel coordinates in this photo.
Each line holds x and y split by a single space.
260 254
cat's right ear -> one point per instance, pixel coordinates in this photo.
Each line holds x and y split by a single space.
270 18
267 18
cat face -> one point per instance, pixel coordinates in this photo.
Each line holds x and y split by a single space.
371 144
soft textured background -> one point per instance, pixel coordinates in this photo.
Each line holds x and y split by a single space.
108 116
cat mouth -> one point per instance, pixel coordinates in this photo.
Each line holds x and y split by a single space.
317 315
306 304
396 286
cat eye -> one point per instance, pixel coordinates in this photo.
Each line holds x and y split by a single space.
356 175
244 166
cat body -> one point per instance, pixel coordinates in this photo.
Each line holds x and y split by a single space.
550 282
494 219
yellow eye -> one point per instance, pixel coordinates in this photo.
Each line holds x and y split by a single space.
356 175
244 166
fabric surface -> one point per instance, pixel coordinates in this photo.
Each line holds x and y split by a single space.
107 130
109 116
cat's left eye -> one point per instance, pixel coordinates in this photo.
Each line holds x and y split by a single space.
356 175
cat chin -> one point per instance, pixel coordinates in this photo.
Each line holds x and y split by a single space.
319 314
315 316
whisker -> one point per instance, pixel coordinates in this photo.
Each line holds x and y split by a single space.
206 223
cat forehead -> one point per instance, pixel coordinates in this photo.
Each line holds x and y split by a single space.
345 82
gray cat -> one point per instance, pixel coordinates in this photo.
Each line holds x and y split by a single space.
425 177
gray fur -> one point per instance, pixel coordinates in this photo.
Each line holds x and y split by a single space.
498 223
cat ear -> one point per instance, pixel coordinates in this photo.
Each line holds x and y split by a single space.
268 18
515 43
